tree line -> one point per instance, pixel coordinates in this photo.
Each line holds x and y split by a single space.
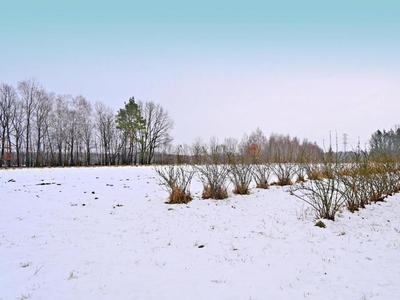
386 142
40 128
255 148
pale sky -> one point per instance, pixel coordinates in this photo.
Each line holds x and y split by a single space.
221 68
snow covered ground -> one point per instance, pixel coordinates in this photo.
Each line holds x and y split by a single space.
106 233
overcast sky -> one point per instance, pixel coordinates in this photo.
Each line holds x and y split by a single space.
221 68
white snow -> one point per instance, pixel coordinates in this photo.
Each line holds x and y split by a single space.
106 233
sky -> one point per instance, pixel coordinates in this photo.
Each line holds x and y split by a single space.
220 68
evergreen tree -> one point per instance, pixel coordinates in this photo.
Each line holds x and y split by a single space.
130 122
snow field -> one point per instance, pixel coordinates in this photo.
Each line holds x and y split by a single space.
106 233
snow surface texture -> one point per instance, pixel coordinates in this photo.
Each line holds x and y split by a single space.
106 233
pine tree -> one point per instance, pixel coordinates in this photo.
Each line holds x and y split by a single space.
130 122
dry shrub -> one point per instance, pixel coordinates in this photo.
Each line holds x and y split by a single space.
214 179
284 173
214 193
261 174
240 175
176 181
301 172
325 196
178 196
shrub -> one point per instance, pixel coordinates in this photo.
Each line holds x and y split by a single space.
354 181
241 176
301 171
325 196
214 179
176 181
261 175
284 173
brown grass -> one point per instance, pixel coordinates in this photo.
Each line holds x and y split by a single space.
315 174
262 185
283 182
376 198
179 196
300 178
217 194
241 190
352 206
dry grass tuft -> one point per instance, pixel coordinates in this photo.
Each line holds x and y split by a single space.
214 193
352 206
241 190
283 181
315 174
179 196
300 178
262 184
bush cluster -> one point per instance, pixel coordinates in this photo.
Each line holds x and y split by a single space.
327 184
333 184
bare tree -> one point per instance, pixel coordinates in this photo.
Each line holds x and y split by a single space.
19 129
8 100
41 115
28 90
197 151
59 117
231 152
157 130
86 126
254 146
105 125
71 128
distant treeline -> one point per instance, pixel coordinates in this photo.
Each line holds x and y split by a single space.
40 128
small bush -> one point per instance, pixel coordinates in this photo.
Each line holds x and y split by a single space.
301 173
320 224
284 173
241 176
176 181
214 179
326 196
261 175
